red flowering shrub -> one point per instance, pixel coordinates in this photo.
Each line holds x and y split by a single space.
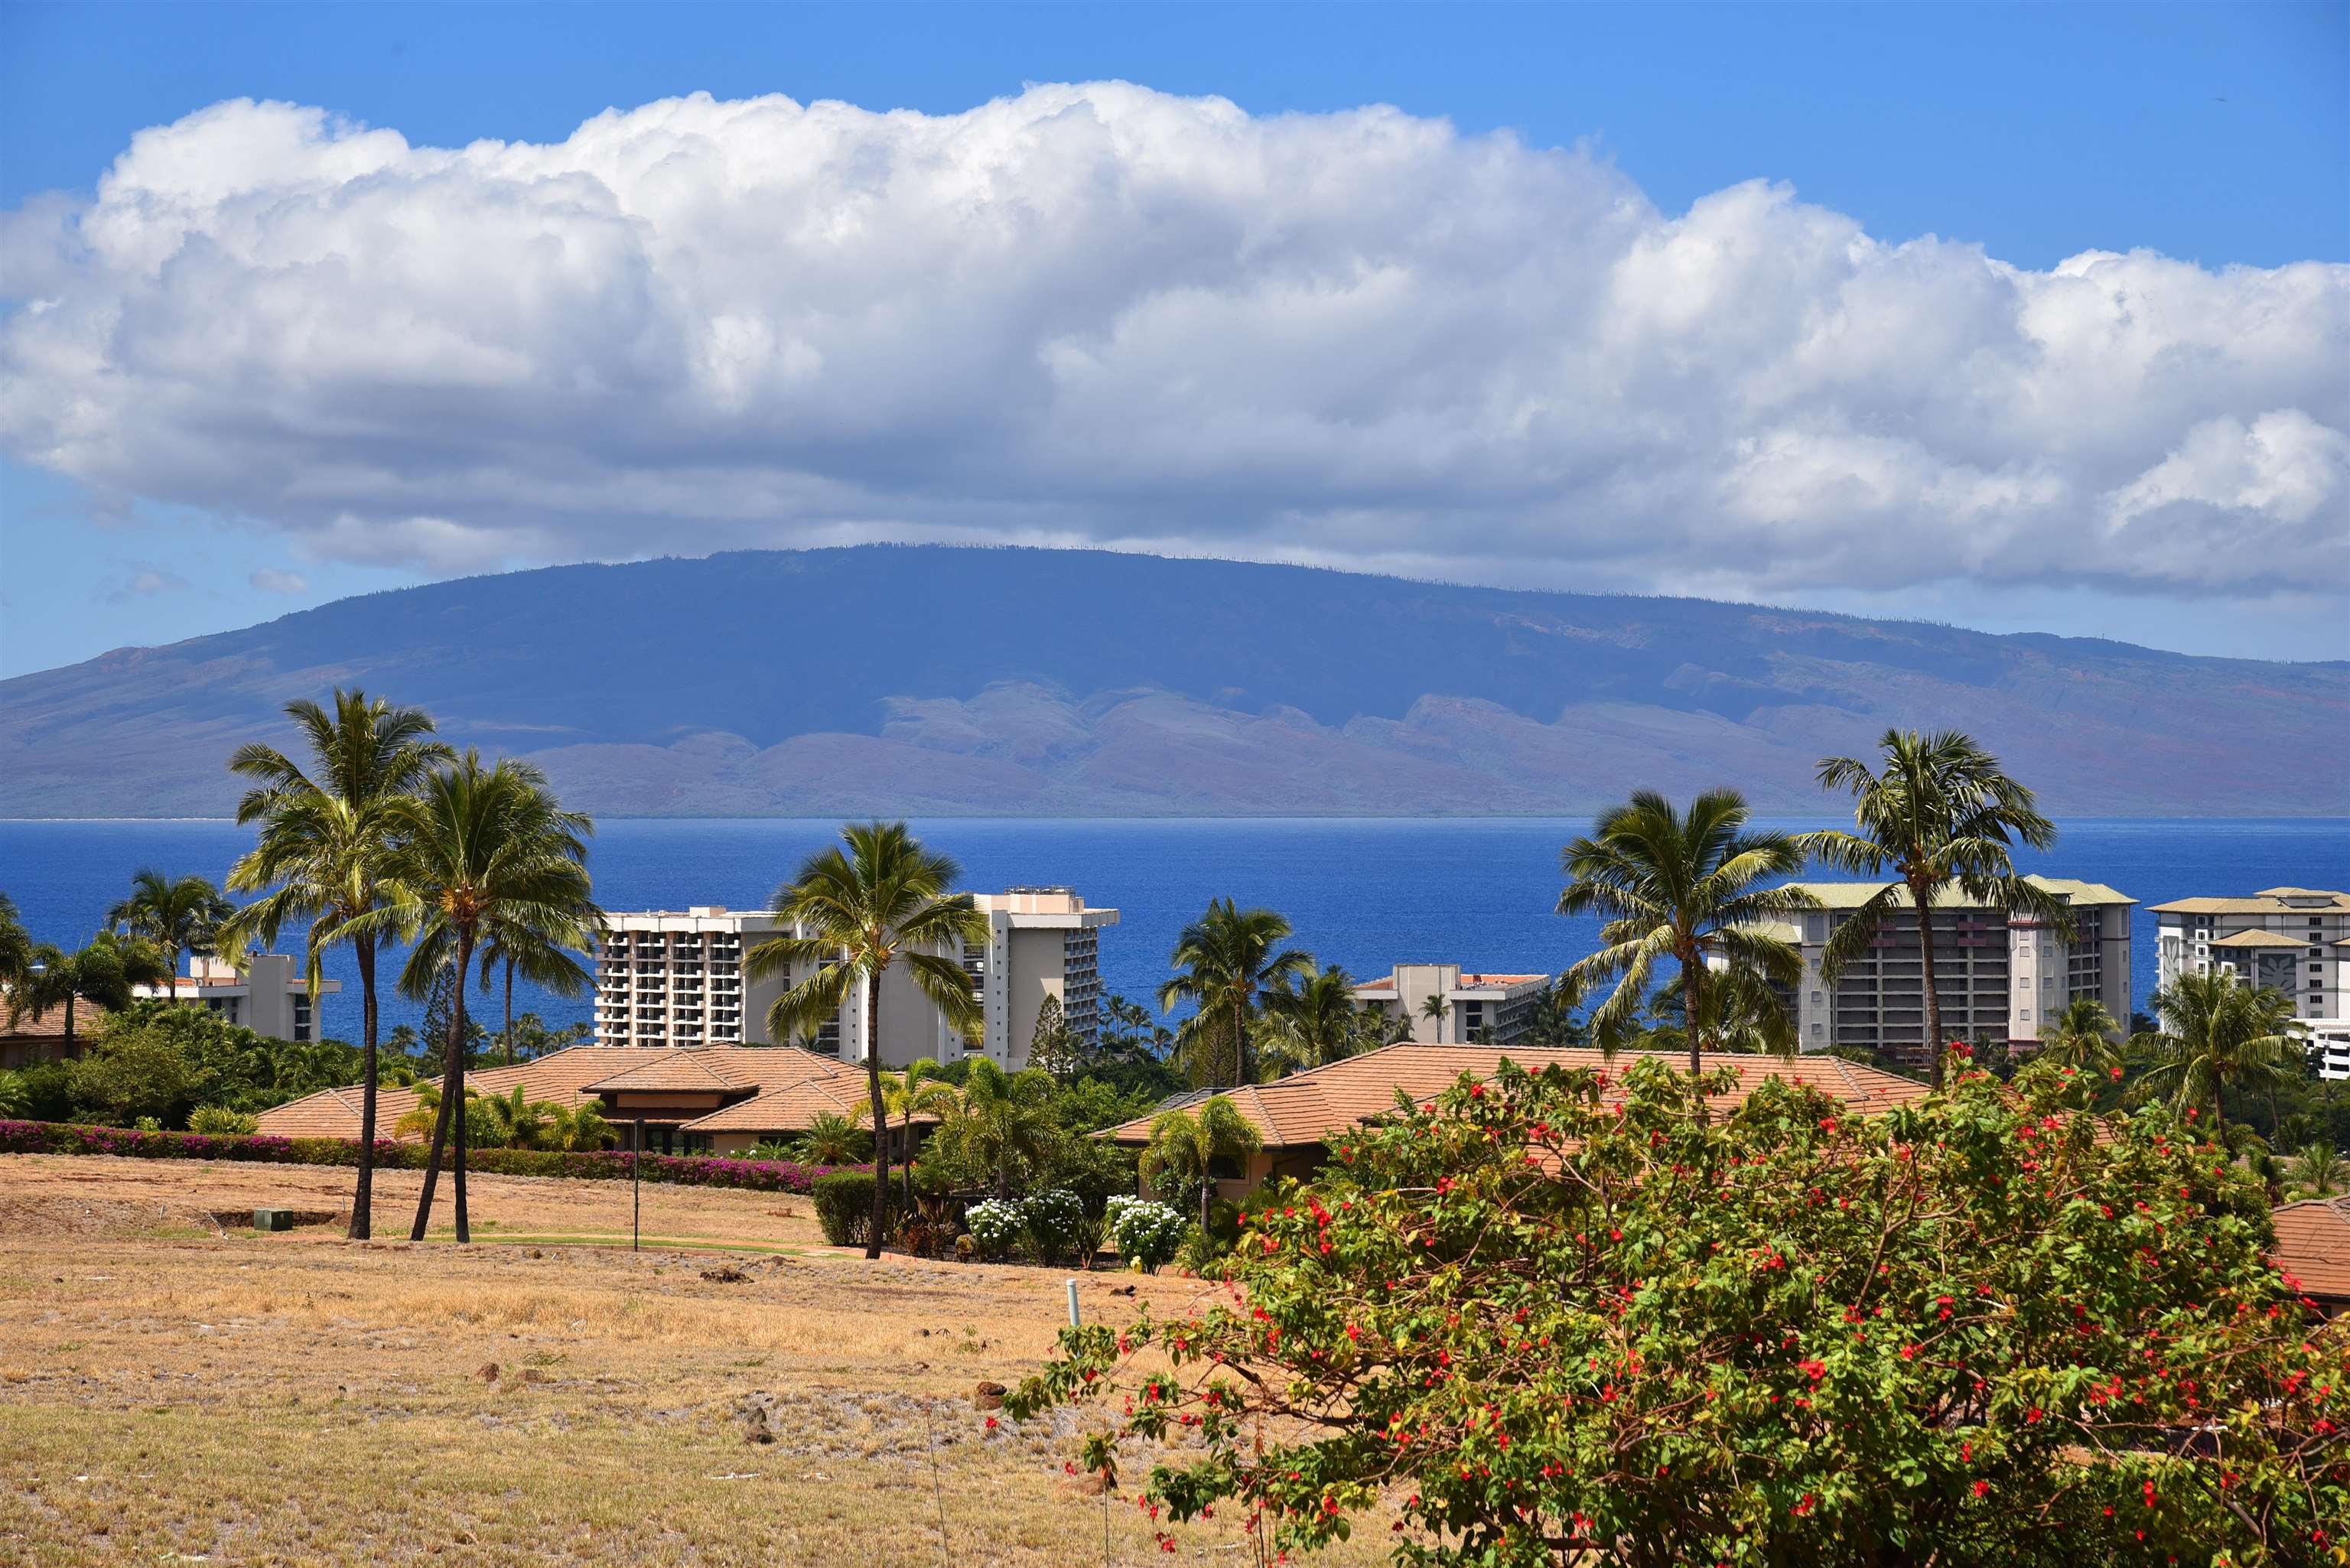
1552 1330
600 1164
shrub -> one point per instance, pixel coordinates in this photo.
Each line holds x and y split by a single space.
993 1225
221 1121
1987 1329
844 1207
1049 1222
1146 1233
597 1165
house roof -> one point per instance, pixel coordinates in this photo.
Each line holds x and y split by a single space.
2267 901
51 1022
2314 1246
1852 895
674 1072
1311 1107
582 1072
2255 940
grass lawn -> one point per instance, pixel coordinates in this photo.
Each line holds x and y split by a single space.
169 1392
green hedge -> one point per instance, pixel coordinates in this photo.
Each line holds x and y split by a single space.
601 1165
844 1206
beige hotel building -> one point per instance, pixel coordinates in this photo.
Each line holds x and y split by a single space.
667 979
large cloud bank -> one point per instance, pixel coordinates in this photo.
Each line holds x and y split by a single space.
1102 313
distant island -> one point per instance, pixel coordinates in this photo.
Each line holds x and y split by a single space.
947 680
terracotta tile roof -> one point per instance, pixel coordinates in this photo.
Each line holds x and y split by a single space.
580 1073
1468 980
674 1072
50 1023
1312 1107
2313 1247
788 1108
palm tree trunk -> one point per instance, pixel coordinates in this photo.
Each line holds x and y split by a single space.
881 1111
363 1197
453 1100
1923 899
457 1060
1240 1041
1692 969
432 1160
509 1012
906 1165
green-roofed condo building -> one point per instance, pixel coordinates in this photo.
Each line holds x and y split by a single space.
2296 940
2002 976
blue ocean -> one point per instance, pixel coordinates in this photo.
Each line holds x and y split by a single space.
1363 894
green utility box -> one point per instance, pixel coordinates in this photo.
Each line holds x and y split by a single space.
273 1219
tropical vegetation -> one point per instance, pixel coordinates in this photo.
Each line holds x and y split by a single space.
1552 1327
1224 962
182 916
1937 812
1190 1144
481 847
854 915
326 836
2218 1034
1687 888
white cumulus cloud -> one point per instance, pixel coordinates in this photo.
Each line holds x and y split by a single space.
1100 312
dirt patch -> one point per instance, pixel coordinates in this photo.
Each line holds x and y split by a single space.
298 1398
34 1218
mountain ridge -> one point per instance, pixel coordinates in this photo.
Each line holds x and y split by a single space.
1001 680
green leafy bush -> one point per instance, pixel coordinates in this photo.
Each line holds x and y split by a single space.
994 1225
844 1207
1049 1222
1144 1233
220 1121
1988 1330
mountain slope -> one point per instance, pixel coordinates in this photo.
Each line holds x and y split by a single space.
973 680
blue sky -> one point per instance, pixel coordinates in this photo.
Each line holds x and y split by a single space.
2216 135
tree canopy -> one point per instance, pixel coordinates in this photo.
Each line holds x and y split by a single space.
1560 1323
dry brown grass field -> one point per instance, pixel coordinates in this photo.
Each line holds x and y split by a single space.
172 1390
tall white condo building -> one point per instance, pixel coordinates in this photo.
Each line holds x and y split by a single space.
675 978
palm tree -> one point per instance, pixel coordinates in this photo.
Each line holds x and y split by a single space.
1186 1144
2216 1032
1223 960
831 1138
1937 811
2083 1035
917 1091
543 957
425 1115
16 947
1002 1120
1743 1015
324 839
1432 1008
479 848
2317 1171
516 1120
575 1127
105 971
1681 888
884 902
1312 1022
181 918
